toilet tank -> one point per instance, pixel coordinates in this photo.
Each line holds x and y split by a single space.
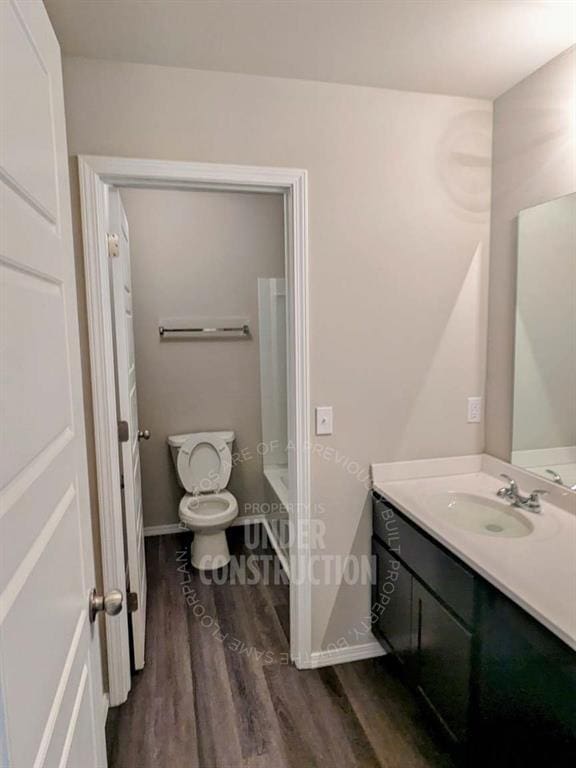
177 441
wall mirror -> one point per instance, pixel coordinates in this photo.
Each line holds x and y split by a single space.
544 425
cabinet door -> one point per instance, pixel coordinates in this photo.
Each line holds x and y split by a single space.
442 660
392 602
526 690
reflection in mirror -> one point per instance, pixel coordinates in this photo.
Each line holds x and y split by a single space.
544 431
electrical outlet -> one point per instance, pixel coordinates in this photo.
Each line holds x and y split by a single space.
474 410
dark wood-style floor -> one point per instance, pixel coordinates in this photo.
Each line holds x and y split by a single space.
223 697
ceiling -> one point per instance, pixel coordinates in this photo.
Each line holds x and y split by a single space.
462 47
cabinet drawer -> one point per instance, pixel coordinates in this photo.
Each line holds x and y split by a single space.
452 582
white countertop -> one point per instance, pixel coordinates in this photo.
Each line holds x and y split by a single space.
538 571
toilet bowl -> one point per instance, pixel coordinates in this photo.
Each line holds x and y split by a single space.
204 463
208 515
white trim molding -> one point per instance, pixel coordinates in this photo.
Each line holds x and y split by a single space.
94 204
96 175
164 530
342 655
248 520
169 528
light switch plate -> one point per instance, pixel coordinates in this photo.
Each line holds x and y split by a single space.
324 420
474 410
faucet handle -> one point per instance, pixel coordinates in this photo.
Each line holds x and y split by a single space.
556 478
539 492
513 484
533 501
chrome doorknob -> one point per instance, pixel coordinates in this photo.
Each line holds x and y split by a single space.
111 603
143 434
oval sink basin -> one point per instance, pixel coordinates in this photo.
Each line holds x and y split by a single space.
480 515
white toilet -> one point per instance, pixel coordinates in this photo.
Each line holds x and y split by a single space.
204 462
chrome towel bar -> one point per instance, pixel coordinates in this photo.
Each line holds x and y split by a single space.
244 330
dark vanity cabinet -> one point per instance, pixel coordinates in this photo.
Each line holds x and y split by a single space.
526 689
424 601
502 687
442 647
394 587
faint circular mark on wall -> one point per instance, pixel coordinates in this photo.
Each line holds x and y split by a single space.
463 161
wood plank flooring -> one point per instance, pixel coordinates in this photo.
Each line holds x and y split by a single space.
217 691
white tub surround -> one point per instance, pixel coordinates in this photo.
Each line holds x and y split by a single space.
274 404
273 373
277 477
276 522
536 571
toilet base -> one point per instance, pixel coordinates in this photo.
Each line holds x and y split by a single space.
210 551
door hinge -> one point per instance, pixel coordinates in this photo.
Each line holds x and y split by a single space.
123 432
132 601
113 245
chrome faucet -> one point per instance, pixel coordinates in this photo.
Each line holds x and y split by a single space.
556 478
530 503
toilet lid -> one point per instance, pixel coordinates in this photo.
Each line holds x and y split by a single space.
204 464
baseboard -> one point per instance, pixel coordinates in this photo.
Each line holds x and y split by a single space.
248 520
370 650
165 530
105 706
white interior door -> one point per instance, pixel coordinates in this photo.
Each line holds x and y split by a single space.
51 695
128 412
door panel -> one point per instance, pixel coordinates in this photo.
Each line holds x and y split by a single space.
49 652
127 404
34 307
28 141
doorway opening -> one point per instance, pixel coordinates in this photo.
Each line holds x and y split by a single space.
282 351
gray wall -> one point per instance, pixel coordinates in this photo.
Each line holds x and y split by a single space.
399 226
534 160
545 361
199 254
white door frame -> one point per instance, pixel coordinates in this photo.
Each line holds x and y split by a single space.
96 173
